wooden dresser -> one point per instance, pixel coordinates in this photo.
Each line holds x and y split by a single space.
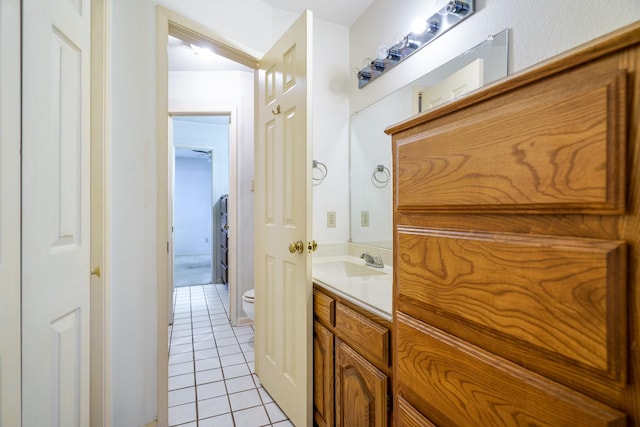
516 244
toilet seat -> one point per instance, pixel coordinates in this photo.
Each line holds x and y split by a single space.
248 303
249 296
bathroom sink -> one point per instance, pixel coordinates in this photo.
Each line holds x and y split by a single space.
350 278
348 269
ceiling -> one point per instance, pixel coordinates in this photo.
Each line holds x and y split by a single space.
341 12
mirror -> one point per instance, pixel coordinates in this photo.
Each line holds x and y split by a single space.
370 148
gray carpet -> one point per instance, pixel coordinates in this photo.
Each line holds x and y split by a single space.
190 270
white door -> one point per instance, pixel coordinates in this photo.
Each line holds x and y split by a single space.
283 214
9 212
55 212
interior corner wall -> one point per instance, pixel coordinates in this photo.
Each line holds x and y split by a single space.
539 30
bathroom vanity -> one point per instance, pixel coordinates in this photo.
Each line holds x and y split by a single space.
351 363
517 248
351 337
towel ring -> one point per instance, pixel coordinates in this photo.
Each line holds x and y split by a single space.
381 175
323 172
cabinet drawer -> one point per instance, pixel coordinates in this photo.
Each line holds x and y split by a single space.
455 383
555 146
324 308
366 336
523 297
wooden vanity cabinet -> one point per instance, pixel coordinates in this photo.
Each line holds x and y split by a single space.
323 400
351 349
517 248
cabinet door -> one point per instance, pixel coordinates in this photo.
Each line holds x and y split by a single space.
361 390
322 376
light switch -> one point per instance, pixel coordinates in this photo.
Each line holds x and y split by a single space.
331 219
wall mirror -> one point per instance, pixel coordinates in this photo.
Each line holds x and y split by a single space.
370 148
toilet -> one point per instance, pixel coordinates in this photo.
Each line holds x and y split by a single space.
248 303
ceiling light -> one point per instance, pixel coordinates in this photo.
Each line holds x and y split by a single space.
201 51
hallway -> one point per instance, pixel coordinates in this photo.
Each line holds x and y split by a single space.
211 379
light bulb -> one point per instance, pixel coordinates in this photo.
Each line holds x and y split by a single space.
418 26
382 52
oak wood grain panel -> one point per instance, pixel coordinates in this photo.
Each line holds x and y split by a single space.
563 298
323 379
591 226
367 337
407 416
361 390
455 383
323 308
559 147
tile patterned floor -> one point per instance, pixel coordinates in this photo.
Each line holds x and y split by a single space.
211 378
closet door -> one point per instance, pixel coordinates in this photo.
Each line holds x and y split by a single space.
56 212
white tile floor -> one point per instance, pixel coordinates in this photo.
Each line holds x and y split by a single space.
211 379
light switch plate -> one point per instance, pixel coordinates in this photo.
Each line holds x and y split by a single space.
331 219
364 218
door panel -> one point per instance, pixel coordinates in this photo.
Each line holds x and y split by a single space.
56 209
10 213
283 191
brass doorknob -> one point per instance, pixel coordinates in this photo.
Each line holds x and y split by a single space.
296 247
96 271
312 246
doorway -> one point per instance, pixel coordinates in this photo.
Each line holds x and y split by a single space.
201 181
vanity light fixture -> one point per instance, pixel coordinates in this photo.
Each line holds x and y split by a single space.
423 33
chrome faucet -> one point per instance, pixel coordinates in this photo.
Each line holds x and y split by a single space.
372 260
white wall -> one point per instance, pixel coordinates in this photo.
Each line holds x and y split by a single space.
192 208
331 130
540 29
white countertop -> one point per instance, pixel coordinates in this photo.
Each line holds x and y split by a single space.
372 292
